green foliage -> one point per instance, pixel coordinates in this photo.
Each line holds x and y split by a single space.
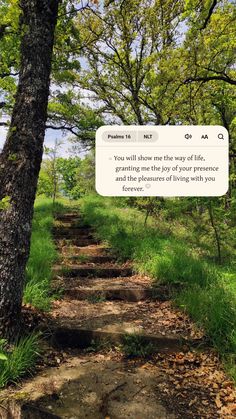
19 359
81 258
71 177
65 105
9 50
214 308
3 356
230 365
5 203
98 345
150 62
129 76
45 181
96 298
135 345
86 174
175 264
155 65
79 119
12 157
42 256
68 170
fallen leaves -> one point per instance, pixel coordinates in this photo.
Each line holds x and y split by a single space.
218 402
197 383
32 318
192 401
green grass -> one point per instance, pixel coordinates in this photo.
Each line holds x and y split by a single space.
96 298
42 256
20 359
161 255
204 287
97 345
214 308
134 345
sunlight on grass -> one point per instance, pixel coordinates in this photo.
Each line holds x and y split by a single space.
20 359
42 255
202 292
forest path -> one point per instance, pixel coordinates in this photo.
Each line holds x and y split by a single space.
104 301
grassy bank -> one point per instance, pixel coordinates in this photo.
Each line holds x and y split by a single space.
168 258
42 256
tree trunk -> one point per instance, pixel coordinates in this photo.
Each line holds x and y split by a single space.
22 154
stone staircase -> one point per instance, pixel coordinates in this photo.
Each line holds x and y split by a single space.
104 300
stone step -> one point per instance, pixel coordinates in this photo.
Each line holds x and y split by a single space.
31 411
116 293
77 241
90 250
69 222
99 386
68 217
69 337
90 258
76 230
73 234
78 271
131 288
76 323
126 294
16 410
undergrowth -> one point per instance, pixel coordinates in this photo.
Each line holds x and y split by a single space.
18 359
96 298
135 345
169 259
42 256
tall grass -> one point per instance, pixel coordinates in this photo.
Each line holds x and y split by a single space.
169 259
20 359
42 256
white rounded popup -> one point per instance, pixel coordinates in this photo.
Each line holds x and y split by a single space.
162 160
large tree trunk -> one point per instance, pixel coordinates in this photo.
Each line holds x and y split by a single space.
22 154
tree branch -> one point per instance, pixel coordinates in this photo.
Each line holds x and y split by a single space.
213 5
227 79
62 127
2 75
75 10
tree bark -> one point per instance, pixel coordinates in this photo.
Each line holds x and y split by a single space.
21 157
